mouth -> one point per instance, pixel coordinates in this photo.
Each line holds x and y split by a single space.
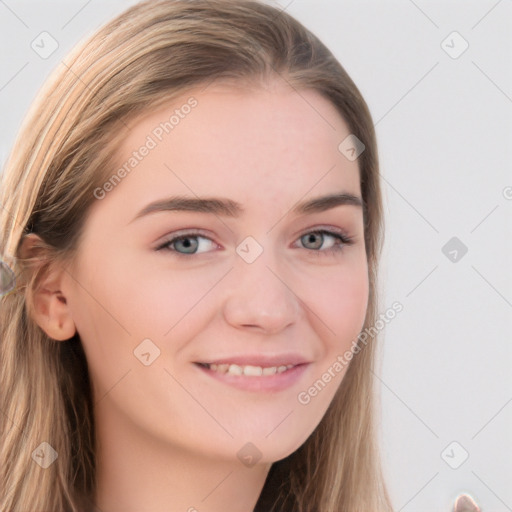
254 378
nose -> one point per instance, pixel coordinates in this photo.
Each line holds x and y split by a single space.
261 296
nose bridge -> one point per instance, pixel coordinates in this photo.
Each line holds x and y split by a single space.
259 296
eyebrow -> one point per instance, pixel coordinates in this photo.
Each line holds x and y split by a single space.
229 208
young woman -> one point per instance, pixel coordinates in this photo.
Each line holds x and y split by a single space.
192 211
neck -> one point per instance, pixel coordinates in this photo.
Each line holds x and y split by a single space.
135 472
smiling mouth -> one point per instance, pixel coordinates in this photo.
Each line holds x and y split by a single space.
246 370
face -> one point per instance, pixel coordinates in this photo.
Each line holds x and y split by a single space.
259 282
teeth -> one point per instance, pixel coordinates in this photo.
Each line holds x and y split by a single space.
248 370
253 370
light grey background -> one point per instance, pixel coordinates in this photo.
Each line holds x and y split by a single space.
444 129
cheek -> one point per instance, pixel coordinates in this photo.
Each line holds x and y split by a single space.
154 299
340 301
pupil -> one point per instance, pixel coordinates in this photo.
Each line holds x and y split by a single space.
186 243
311 238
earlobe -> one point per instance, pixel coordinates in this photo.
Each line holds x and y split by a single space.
51 312
50 309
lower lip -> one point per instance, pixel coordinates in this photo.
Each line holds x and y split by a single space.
268 383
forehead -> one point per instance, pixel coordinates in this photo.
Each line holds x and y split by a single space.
254 144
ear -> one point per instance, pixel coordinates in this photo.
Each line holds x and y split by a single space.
49 309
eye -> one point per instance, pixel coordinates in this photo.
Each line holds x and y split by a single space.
187 244
317 239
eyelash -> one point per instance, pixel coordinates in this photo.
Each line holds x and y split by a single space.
342 240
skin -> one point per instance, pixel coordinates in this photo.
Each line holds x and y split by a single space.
168 434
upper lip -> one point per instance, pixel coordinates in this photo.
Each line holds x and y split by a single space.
260 360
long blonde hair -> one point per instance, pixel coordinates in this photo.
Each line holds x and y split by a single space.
149 54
